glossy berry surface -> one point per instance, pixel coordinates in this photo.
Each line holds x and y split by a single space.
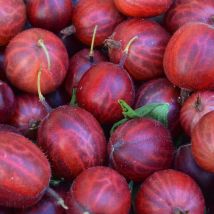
185 11
143 8
52 15
25 171
25 57
28 113
89 13
100 89
147 50
203 142
161 91
169 191
73 141
6 127
80 63
99 190
140 147
12 19
194 108
47 204
188 63
184 161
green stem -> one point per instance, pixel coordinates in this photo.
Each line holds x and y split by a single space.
73 101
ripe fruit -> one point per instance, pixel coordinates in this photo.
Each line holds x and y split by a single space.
89 13
47 205
143 8
6 127
194 108
169 191
185 162
25 171
99 190
33 50
203 142
73 141
28 114
79 64
12 19
100 89
7 102
161 91
49 14
147 50
186 11
140 147
188 63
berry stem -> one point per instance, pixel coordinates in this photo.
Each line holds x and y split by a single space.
126 51
198 104
91 53
57 197
44 48
184 94
110 43
179 211
68 31
41 97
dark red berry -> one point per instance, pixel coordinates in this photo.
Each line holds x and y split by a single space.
52 15
100 89
73 141
32 51
25 171
161 91
12 19
99 190
28 113
140 147
89 13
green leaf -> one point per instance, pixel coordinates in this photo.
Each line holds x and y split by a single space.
155 111
128 112
158 111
